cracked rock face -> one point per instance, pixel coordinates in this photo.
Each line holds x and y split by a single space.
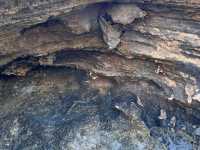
99 75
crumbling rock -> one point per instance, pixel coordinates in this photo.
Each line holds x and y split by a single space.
101 74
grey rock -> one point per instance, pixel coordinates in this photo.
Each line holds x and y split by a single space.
125 13
163 115
62 86
111 35
46 110
197 131
12 11
129 109
174 140
173 122
83 21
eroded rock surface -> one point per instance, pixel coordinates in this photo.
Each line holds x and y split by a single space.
104 74
59 109
125 13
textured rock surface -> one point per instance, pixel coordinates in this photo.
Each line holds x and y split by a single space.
111 35
100 74
125 13
59 109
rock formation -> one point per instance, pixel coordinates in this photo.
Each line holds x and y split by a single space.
100 74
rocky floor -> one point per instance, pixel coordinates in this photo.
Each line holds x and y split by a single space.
100 75
63 108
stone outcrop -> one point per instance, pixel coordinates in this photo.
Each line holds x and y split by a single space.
100 74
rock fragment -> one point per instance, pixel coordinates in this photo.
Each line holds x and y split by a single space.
125 13
48 60
163 115
17 69
196 96
197 132
139 101
129 109
83 21
171 97
103 85
190 91
173 121
111 35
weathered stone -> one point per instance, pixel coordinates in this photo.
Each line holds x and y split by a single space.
197 131
163 115
173 121
125 13
83 21
19 70
111 35
101 84
175 140
41 41
38 11
99 74
48 101
136 43
171 81
185 3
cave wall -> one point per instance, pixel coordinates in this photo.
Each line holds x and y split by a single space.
157 40
117 48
